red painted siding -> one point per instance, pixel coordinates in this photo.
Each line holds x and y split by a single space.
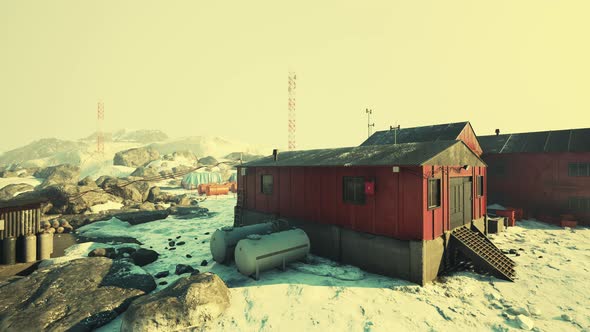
538 182
437 220
470 139
315 194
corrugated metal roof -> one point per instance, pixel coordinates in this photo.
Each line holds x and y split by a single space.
441 132
21 202
570 140
374 155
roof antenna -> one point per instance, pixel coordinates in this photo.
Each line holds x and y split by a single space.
394 133
369 125
497 132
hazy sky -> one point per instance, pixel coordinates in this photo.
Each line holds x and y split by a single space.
220 67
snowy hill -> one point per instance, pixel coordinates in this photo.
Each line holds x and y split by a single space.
82 153
206 146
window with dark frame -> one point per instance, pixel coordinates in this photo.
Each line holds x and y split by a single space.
266 184
579 204
353 190
433 193
480 188
578 169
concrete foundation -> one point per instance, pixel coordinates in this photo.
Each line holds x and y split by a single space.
416 261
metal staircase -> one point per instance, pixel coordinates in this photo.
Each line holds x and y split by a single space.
483 253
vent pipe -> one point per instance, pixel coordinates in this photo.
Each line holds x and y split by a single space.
497 132
275 154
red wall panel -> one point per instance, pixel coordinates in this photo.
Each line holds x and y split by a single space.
537 182
315 194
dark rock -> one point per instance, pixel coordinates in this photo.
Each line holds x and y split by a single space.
183 200
60 174
204 241
517 254
162 274
162 283
145 172
66 297
204 262
169 239
512 251
189 256
87 182
155 195
182 268
540 256
141 217
144 257
196 238
205 296
103 179
103 252
180 243
136 157
173 248
178 237
171 243
147 206
166 248
126 250
70 198
207 233
209 161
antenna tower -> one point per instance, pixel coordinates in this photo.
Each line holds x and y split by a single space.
292 127
99 134
369 124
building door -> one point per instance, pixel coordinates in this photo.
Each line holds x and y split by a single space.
460 201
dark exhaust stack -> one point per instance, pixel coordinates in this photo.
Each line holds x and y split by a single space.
275 154
497 132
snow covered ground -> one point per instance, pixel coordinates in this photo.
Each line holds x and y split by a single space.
552 291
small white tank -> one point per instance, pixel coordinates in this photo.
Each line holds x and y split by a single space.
30 248
259 253
224 240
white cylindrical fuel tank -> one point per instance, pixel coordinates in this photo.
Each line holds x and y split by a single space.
258 253
30 248
223 241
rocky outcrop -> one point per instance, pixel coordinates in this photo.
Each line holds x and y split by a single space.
12 190
87 181
144 257
71 199
79 295
145 172
141 217
136 157
189 302
209 161
8 174
130 188
60 174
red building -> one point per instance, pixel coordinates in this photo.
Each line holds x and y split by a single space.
387 208
545 173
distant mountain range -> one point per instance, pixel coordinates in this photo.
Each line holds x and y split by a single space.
53 151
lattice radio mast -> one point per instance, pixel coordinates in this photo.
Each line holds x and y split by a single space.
99 133
292 127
